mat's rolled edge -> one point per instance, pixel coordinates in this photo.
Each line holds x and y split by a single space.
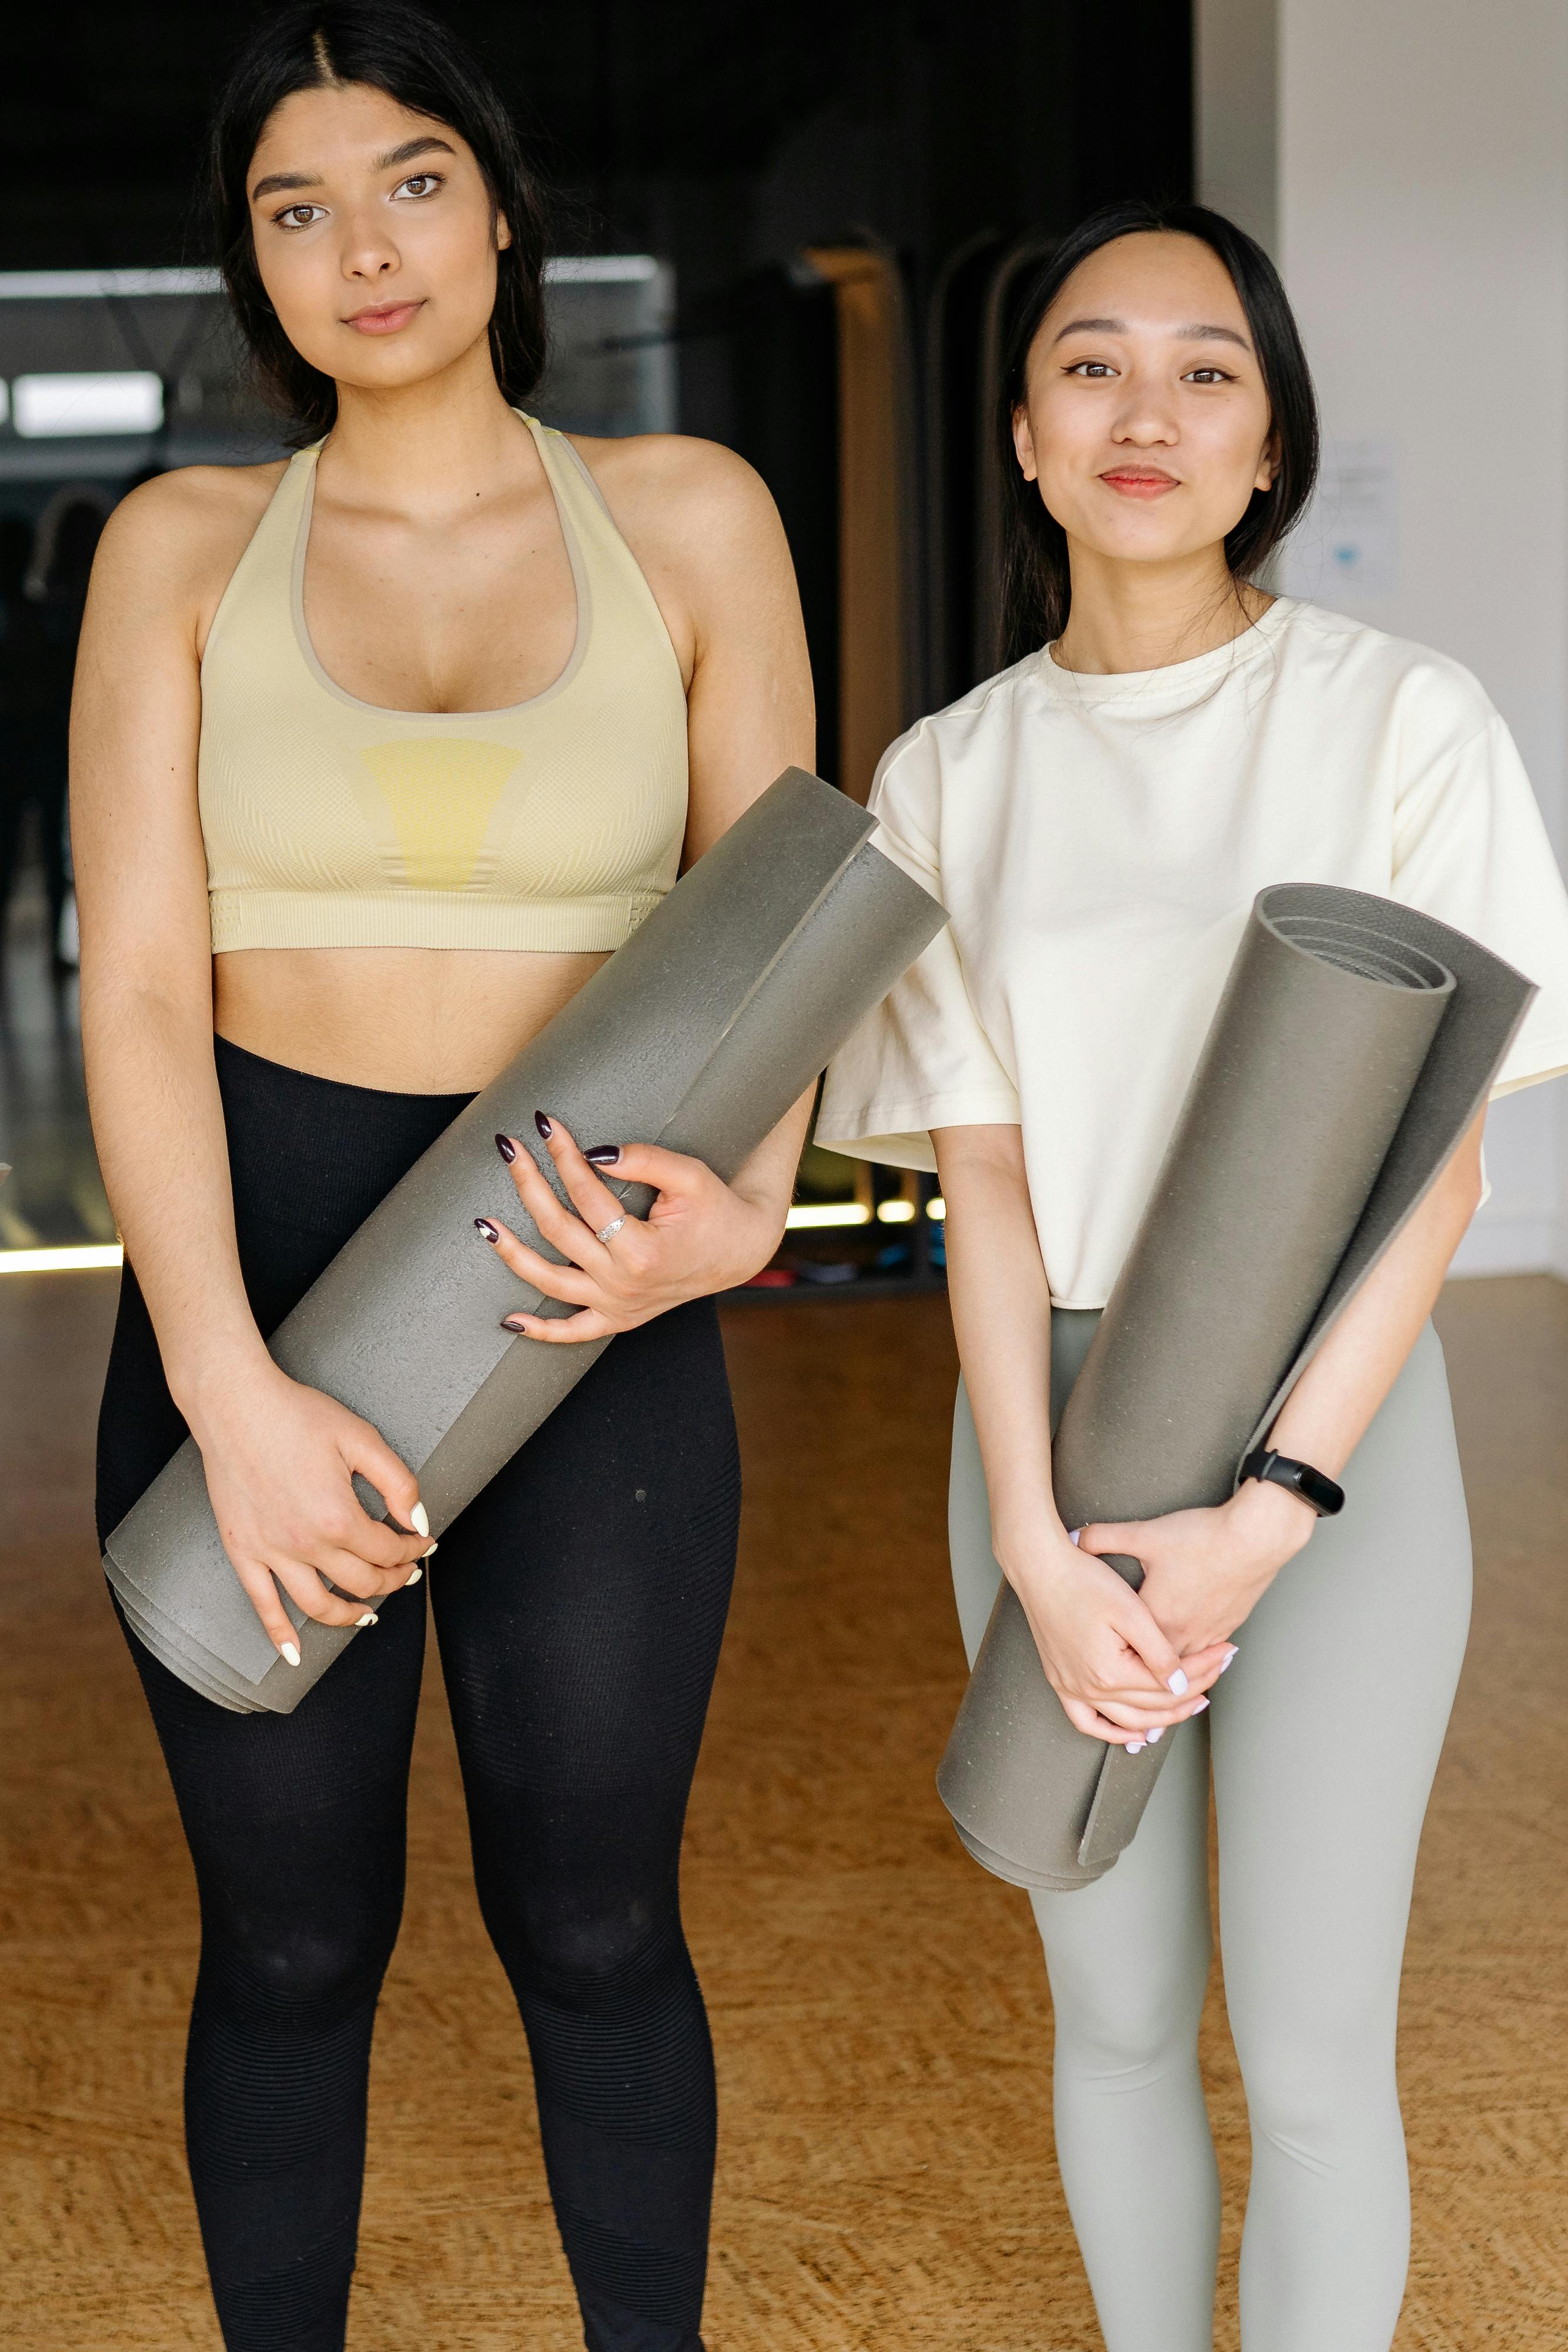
1042 1882
163 1643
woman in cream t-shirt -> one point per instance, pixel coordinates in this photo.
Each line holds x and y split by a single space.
1098 819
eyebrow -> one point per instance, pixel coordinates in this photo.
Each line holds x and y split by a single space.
1199 333
277 182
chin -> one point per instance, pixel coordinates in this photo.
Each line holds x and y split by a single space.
388 365
1146 546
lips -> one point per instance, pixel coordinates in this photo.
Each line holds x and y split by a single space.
1139 482
384 318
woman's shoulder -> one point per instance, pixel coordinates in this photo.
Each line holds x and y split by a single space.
953 758
184 528
977 720
674 485
1384 676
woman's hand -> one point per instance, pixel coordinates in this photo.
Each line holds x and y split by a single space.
1205 1571
280 1461
701 1234
1114 1669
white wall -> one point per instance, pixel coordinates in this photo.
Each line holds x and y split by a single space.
1419 187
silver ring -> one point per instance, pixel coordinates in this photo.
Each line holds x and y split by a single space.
608 1233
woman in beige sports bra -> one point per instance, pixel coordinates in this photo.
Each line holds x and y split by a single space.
377 755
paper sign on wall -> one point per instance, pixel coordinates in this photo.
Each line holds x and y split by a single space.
1348 542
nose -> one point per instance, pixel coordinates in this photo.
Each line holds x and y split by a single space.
369 250
1145 416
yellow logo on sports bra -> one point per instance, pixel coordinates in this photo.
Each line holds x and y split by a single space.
441 793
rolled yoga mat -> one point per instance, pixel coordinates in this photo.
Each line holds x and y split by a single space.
1354 1044
698 1035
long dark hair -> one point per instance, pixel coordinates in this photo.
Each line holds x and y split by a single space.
1037 588
396 46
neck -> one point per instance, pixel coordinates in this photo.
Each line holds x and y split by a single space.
426 449
1135 616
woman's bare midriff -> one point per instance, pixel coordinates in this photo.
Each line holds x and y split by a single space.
418 1020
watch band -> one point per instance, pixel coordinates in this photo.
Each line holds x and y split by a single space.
1325 1498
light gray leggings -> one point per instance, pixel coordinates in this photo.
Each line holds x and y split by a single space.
1324 1737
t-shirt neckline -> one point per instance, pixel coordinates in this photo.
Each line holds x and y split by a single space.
1174 684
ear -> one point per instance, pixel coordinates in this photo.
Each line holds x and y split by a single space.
1023 443
1268 464
503 232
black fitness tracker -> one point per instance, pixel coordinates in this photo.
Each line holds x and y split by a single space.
1324 1496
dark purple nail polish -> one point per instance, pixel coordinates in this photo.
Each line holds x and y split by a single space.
514 1323
490 1232
506 1148
603 1155
542 1123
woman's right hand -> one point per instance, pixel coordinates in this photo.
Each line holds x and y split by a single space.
280 1460
1116 1674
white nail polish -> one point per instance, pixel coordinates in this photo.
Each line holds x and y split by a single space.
426 1555
412 1577
1229 1662
419 1519
1199 1705
1157 1735
1135 1747
1177 1684
370 1618
1074 1536
289 1653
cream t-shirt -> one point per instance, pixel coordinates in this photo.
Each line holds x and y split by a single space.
1098 843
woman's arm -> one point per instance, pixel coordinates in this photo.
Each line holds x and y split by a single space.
278 1458
1108 1660
1205 1570
708 534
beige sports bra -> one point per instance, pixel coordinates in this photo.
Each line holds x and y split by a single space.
554 824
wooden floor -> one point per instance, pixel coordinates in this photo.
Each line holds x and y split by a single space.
878 2005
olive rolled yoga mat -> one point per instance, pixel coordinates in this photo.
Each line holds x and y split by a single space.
698 1035
1354 1044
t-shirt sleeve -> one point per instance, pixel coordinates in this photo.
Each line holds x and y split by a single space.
922 1059
1472 849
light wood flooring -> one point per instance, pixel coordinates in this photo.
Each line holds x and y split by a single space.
878 2005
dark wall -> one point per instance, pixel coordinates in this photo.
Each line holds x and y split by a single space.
720 134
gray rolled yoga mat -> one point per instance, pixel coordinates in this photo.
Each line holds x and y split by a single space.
698 1035
1354 1044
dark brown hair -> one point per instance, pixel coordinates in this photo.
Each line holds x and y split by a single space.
390 46
1037 584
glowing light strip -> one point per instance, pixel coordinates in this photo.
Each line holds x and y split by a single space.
805 1216
79 285
88 284
72 1260
601 269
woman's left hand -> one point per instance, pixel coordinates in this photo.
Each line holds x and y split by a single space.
701 1236
1205 1571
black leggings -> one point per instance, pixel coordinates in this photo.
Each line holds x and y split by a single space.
578 1604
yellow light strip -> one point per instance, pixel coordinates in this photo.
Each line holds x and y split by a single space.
805 1213
936 1210
61 1261
895 1212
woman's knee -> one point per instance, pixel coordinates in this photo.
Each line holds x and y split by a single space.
1124 2021
587 1951
1320 2081
298 1970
